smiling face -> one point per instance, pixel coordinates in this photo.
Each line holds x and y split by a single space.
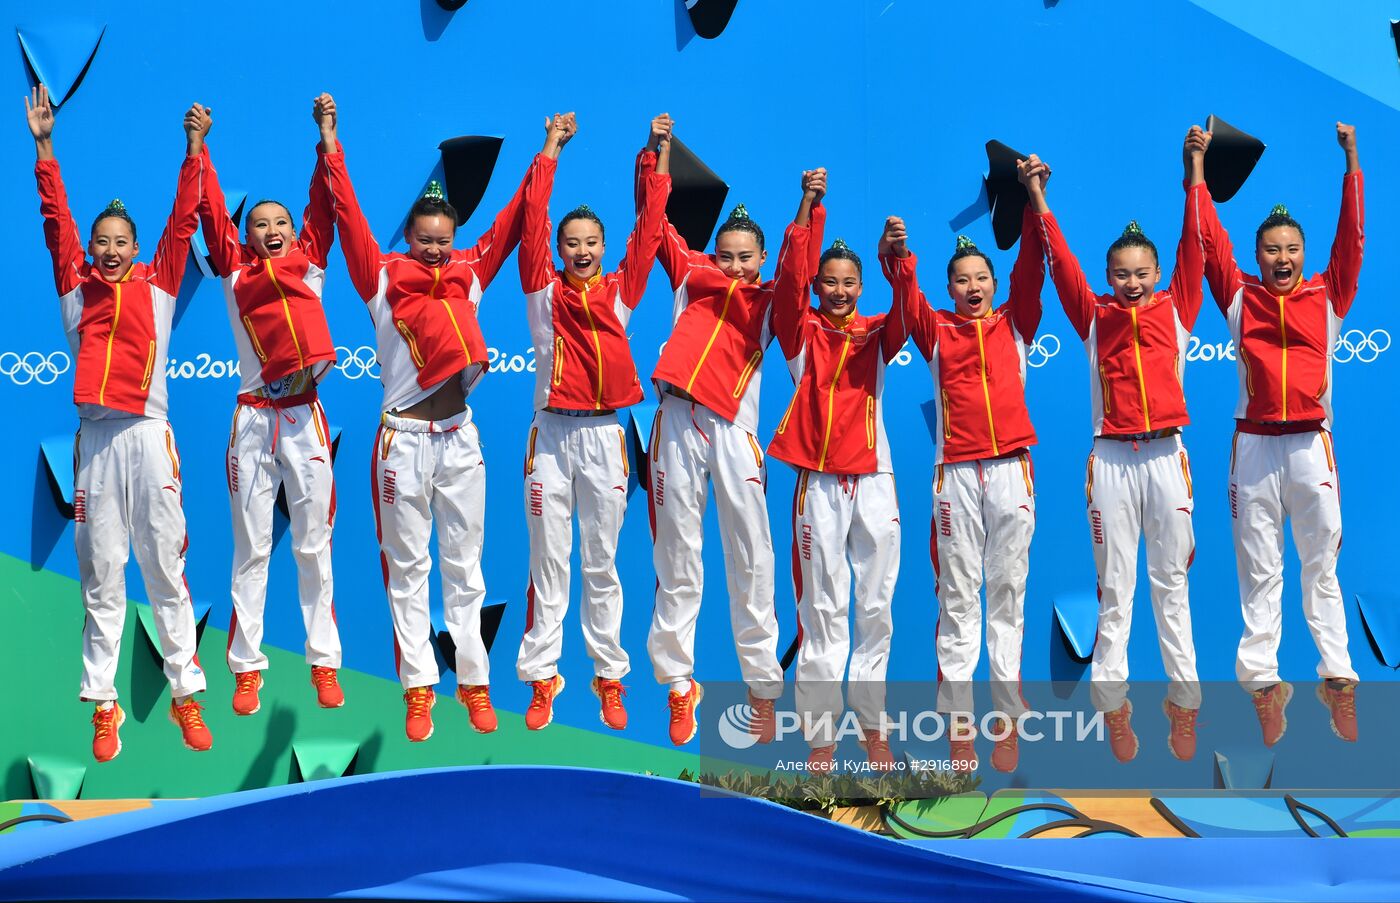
972 286
270 231
1279 253
838 288
581 248
738 255
1133 272
429 238
112 248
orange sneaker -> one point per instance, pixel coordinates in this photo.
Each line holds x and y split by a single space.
822 759
328 692
245 692
1182 739
683 706
610 693
962 752
1121 738
1006 752
1269 705
877 751
106 742
190 717
477 699
541 710
1340 698
764 723
418 723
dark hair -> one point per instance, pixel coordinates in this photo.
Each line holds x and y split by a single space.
739 221
248 221
1132 237
839 250
582 211
114 210
431 206
1277 217
966 248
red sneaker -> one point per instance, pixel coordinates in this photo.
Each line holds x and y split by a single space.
764 723
1269 705
961 750
106 742
328 692
1340 698
541 710
245 692
610 693
683 706
477 699
418 723
1121 738
190 717
1006 752
822 759
1182 739
877 751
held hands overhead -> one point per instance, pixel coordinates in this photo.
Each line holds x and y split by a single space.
894 240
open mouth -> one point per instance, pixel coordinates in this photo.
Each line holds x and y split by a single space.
111 264
274 243
1283 275
1134 296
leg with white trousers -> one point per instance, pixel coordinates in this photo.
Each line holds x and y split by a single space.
128 472
1008 509
268 448
873 547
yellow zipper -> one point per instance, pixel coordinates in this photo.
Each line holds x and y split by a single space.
412 342
1142 384
150 366
597 349
257 346
986 392
437 276
747 373
557 370
1283 336
947 422
112 334
286 311
714 335
870 422
1103 382
831 401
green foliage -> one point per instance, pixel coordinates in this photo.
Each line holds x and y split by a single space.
826 792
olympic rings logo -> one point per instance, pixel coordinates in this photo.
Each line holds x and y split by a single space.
34 367
1361 346
1039 352
361 362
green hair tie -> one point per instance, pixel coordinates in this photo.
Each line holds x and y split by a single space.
583 210
840 245
964 242
434 191
740 212
1279 210
115 207
1132 228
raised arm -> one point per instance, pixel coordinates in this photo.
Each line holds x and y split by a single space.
173 249
220 234
1344 267
642 244
1222 273
910 313
795 266
318 222
536 264
1076 297
60 231
673 252
1186 289
1028 275
363 258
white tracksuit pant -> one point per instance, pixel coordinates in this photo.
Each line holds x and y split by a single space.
983 518
430 472
291 447
127 494
1134 488
690 446
574 461
1294 476
837 518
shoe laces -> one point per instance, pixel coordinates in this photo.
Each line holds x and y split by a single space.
105 721
420 700
1343 699
680 707
876 747
762 710
544 693
190 714
323 678
477 698
611 692
246 682
1183 719
1266 700
1118 724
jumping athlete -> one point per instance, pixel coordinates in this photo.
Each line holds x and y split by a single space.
117 315
280 435
577 453
1138 477
1282 463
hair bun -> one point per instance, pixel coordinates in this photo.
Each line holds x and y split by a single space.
740 212
434 191
115 207
965 242
584 210
1132 228
1279 210
840 245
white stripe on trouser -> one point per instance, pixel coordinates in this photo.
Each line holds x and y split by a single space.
426 473
574 461
128 476
836 518
1132 489
1274 477
301 462
983 518
692 445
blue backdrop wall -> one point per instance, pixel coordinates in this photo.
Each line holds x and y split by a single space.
895 97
